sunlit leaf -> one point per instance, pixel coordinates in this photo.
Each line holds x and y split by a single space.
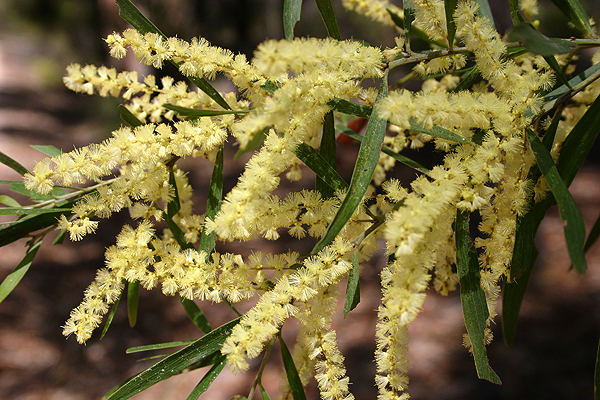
291 15
213 202
208 379
13 164
111 314
158 346
48 150
253 144
202 348
313 160
353 288
199 112
23 211
348 107
196 315
439 132
366 162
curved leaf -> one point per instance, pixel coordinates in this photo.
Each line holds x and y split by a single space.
13 164
328 16
313 160
366 162
291 15
576 14
538 43
13 279
291 372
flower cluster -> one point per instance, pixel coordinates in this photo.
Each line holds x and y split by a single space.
283 96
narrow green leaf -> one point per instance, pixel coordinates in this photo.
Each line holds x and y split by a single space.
551 60
593 236
368 155
409 17
353 288
439 132
174 204
466 80
213 203
269 86
19 187
177 233
128 117
291 15
196 315
263 392
111 314
209 378
48 150
521 267
538 43
13 164
576 14
328 153
130 13
486 11
9 201
574 224
133 300
548 139
472 296
158 346
328 16
450 7
60 238
32 223
291 372
201 349
551 98
199 112
253 144
13 279
23 211
313 160
515 15
578 143
399 157
348 107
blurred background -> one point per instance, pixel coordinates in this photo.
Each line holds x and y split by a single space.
555 348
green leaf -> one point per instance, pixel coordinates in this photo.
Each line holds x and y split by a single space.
353 288
328 153
209 378
515 15
111 314
450 7
593 236
13 279
201 349
174 204
263 392
291 372
23 211
348 107
196 315
472 296
199 112
486 11
158 346
32 223
128 117
48 150
253 144
19 187
538 43
328 16
13 164
130 13
521 267
133 300
399 157
213 203
576 14
409 17
9 201
60 238
439 132
313 160
574 224
368 155
551 60
269 86
291 15
466 80
551 98
177 233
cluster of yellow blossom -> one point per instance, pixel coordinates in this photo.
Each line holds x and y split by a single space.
286 91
